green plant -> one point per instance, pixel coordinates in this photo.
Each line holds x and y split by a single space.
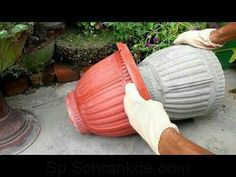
12 40
6 25
89 27
143 38
146 37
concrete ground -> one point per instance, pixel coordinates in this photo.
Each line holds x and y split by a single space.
216 132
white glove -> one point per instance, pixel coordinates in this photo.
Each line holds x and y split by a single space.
197 38
148 118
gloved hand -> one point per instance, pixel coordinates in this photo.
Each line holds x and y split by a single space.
148 118
197 38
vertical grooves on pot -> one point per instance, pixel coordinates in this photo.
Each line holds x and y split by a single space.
74 114
108 118
216 68
190 80
99 94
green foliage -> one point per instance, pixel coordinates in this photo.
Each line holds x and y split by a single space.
12 40
143 38
89 27
8 29
146 37
6 26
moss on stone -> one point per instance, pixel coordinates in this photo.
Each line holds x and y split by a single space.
73 38
37 59
82 50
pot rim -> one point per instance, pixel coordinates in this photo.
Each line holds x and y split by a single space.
133 70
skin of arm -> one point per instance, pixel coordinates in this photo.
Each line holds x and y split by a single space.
153 124
173 143
224 34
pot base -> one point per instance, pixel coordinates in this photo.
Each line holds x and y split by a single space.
18 130
74 114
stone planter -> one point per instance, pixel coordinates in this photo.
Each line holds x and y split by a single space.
81 51
187 80
37 59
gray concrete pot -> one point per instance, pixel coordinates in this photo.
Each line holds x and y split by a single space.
188 81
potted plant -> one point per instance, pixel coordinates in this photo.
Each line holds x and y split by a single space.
12 41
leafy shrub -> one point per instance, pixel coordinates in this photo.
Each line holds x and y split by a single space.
143 38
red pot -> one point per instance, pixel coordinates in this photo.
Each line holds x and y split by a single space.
96 105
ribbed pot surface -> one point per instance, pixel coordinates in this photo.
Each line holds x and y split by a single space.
188 81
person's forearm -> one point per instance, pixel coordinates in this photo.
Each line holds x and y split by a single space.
171 142
224 34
